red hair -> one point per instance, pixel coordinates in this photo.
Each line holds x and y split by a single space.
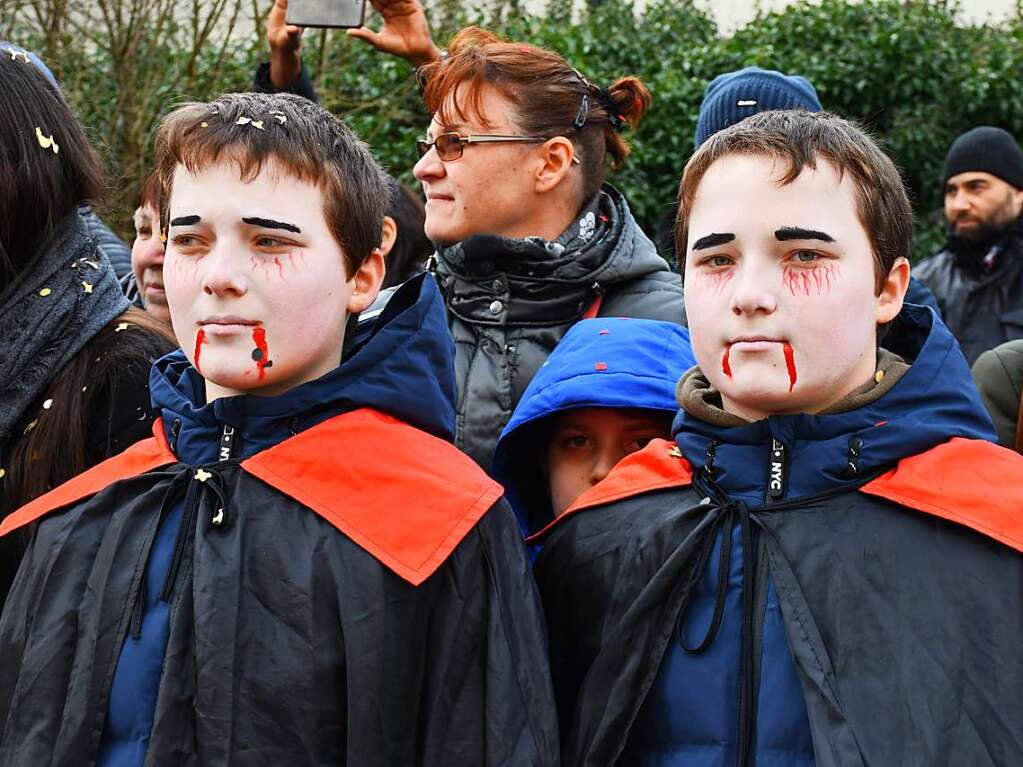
550 97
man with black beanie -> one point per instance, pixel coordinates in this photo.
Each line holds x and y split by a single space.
978 276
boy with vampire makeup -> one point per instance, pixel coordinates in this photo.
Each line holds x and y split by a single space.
298 568
823 567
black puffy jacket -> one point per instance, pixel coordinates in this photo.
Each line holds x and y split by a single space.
510 302
982 307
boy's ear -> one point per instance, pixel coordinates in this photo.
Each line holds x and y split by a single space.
389 235
366 282
556 163
893 290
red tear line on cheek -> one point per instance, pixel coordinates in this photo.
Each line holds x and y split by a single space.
200 339
790 363
261 354
725 367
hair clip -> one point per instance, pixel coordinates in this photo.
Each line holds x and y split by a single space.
46 142
607 101
580 116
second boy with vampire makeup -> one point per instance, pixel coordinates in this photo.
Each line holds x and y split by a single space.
823 568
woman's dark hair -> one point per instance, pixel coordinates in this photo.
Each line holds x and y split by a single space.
411 247
550 97
47 167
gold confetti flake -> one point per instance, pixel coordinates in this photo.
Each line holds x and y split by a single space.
279 117
46 142
202 475
243 121
93 264
45 292
3 473
121 326
675 452
84 388
48 404
30 426
87 286
204 124
879 375
257 124
74 264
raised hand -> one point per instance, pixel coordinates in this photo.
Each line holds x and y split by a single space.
285 42
405 32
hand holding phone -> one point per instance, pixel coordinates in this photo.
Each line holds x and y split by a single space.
326 13
406 32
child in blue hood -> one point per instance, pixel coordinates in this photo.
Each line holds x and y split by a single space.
606 391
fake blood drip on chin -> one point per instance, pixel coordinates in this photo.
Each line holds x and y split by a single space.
790 363
200 339
260 354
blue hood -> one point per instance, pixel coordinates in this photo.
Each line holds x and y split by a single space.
611 362
403 365
934 401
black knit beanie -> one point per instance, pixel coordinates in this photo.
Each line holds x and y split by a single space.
986 150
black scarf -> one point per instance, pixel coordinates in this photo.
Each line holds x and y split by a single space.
49 312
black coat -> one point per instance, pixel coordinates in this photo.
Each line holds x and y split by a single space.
982 308
510 302
340 586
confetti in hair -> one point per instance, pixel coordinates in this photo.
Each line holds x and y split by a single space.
46 142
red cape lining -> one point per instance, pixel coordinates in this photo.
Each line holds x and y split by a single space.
404 496
973 483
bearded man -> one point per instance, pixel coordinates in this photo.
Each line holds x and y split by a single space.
978 276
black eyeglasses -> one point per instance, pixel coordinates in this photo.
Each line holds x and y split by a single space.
449 146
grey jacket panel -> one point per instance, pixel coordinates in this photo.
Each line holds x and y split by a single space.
510 302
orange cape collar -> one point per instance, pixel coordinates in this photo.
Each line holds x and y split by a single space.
402 495
973 483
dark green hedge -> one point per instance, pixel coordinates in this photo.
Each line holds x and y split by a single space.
910 71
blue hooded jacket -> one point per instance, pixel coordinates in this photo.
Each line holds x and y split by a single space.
689 715
403 365
613 362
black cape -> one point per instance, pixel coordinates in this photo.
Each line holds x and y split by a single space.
290 643
905 627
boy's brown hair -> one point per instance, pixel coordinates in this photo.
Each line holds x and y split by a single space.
298 138
799 139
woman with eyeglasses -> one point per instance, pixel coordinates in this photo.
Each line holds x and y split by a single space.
530 238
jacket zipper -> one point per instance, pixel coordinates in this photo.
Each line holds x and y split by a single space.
754 602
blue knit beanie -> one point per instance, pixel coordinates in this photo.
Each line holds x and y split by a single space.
6 47
734 96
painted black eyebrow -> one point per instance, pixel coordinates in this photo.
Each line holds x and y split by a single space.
269 223
798 233
713 240
185 221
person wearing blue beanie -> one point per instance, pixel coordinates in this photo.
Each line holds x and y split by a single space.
734 96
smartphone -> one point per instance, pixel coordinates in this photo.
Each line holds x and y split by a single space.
327 13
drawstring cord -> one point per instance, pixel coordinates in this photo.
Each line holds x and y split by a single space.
181 483
728 514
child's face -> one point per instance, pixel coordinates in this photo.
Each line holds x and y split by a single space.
585 443
780 287
256 282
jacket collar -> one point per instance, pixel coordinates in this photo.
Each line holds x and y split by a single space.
534 282
933 402
403 367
